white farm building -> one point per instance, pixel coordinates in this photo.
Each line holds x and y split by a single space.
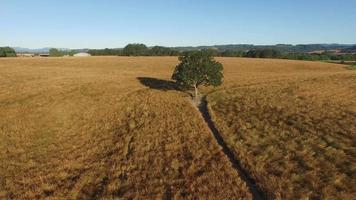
81 55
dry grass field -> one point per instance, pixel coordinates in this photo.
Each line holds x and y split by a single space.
295 136
116 127
81 128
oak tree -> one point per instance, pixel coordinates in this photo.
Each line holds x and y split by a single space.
198 68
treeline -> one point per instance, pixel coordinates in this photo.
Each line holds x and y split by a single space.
285 48
7 52
272 53
255 53
105 52
135 50
143 50
322 56
59 53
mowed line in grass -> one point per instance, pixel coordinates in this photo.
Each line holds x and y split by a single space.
256 192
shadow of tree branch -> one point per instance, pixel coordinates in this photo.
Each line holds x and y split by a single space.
164 85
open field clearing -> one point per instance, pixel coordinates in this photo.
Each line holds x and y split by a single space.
116 127
87 128
296 138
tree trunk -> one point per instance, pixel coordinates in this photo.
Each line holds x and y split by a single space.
196 92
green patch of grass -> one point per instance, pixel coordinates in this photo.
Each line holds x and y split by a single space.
351 67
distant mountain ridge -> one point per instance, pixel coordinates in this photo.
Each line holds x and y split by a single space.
40 50
287 48
351 49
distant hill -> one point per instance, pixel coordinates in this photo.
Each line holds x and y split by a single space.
285 48
349 50
41 50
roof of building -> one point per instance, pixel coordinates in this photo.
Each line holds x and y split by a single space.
82 54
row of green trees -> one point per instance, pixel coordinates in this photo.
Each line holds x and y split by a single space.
272 53
7 52
323 56
143 50
59 53
162 51
105 52
135 50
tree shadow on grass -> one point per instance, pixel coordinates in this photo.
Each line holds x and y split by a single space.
163 85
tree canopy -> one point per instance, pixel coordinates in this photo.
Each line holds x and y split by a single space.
135 50
198 68
7 52
105 52
263 53
53 52
162 51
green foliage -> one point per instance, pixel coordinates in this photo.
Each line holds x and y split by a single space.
54 53
135 50
7 52
285 48
263 53
58 53
70 53
105 52
351 49
211 52
231 53
198 68
2 53
162 51
280 51
352 67
323 56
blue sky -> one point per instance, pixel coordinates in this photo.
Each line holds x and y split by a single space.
114 23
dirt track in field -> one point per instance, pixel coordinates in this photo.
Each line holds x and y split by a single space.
251 184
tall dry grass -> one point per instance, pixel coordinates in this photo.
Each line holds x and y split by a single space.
115 127
82 128
292 126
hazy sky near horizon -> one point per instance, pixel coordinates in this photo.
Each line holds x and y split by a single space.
115 23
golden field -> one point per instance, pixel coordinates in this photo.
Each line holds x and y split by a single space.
116 127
